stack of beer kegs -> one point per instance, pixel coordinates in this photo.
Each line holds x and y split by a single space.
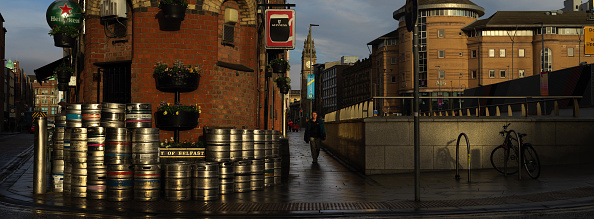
113 115
58 159
276 157
78 155
118 157
247 144
97 170
218 143
145 157
67 164
178 186
242 176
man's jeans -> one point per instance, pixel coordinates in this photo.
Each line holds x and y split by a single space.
315 144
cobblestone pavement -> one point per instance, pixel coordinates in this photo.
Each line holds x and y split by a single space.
329 189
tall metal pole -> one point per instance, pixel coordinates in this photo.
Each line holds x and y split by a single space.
40 166
311 65
542 42
417 145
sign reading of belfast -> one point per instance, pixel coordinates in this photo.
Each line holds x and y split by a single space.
64 13
280 29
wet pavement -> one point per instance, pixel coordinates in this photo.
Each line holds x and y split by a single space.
329 189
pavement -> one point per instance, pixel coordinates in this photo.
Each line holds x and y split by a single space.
331 189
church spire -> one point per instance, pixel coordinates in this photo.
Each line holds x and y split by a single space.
309 46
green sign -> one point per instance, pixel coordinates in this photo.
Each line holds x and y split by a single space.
64 13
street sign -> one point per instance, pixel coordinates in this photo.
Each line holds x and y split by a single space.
410 15
280 29
589 40
311 91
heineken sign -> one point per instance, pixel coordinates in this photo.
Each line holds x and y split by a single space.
64 13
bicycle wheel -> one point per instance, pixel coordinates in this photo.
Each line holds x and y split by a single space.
500 156
531 161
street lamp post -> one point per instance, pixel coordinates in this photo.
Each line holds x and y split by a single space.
311 64
439 92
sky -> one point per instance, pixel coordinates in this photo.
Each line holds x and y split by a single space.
346 26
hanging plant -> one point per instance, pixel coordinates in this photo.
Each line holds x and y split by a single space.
177 116
173 9
64 36
279 65
176 78
284 84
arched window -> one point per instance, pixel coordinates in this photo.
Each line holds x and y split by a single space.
548 60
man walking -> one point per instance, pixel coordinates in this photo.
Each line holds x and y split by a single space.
314 134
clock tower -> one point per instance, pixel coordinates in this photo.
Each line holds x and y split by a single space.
308 59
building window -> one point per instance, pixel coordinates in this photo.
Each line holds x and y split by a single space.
502 53
441 33
521 73
491 52
441 74
473 74
117 78
570 52
441 54
548 60
502 73
393 79
473 53
491 73
521 52
393 60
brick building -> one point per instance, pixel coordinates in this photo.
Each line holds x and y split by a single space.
459 51
118 54
46 96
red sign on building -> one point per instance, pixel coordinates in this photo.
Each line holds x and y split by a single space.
280 29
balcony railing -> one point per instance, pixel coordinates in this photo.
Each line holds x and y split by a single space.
475 106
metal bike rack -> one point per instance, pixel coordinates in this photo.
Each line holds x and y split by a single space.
457 153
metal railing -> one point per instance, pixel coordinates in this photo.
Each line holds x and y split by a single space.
366 109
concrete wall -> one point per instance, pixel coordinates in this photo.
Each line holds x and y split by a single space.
383 145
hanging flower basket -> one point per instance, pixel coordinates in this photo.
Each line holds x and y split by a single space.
63 40
173 9
181 121
178 78
177 117
284 89
279 65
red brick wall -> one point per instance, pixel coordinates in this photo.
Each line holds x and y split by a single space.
226 97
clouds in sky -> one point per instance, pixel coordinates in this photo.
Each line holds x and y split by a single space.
346 26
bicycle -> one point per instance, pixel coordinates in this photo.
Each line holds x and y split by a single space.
502 154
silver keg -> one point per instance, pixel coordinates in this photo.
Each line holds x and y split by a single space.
275 143
91 115
113 115
119 195
78 158
226 176
147 182
96 182
73 115
205 181
138 115
235 145
60 121
242 176
58 182
119 176
268 143
277 170
268 172
247 144
145 146
217 144
259 144
178 185
257 175
118 150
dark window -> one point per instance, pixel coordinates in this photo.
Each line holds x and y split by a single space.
228 33
116 83
473 53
